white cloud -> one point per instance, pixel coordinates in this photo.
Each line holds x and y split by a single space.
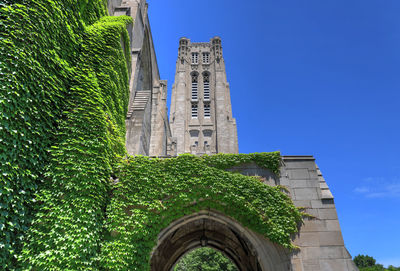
378 187
395 188
362 189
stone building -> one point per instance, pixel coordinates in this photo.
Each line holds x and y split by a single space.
201 122
147 127
201 111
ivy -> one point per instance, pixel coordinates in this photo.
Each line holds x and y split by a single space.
151 193
68 227
63 90
270 160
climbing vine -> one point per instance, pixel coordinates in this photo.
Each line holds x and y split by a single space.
269 160
63 94
69 223
151 193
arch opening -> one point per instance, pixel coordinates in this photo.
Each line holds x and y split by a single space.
247 250
205 258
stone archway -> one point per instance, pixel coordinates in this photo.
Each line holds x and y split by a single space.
248 250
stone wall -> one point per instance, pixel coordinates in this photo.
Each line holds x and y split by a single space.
320 238
147 104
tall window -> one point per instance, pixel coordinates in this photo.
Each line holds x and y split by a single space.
194 88
194 110
207 110
206 84
195 58
206 58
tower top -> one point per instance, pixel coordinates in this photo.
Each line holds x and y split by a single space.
187 41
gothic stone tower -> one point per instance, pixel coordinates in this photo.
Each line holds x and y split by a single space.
201 112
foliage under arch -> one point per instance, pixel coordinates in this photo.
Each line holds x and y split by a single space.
205 259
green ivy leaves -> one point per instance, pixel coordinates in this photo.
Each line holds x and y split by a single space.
151 193
68 230
63 94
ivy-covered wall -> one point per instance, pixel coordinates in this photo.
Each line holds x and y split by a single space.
151 193
64 89
63 98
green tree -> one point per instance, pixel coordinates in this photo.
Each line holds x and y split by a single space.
368 263
364 261
377 267
205 259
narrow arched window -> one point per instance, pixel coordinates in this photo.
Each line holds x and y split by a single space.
194 87
206 86
194 110
206 58
195 58
207 110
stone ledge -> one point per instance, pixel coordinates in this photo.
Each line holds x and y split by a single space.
298 157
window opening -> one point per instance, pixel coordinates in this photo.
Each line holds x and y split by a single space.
194 110
194 88
206 58
207 110
194 133
206 82
195 58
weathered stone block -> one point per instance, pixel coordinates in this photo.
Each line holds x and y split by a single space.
320 204
305 193
299 174
297 265
313 174
304 184
327 214
310 164
323 185
311 265
313 225
326 194
332 225
330 238
307 239
333 265
302 203
311 253
332 252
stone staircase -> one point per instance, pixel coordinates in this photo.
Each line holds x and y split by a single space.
139 102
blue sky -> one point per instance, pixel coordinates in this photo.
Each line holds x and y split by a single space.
311 77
